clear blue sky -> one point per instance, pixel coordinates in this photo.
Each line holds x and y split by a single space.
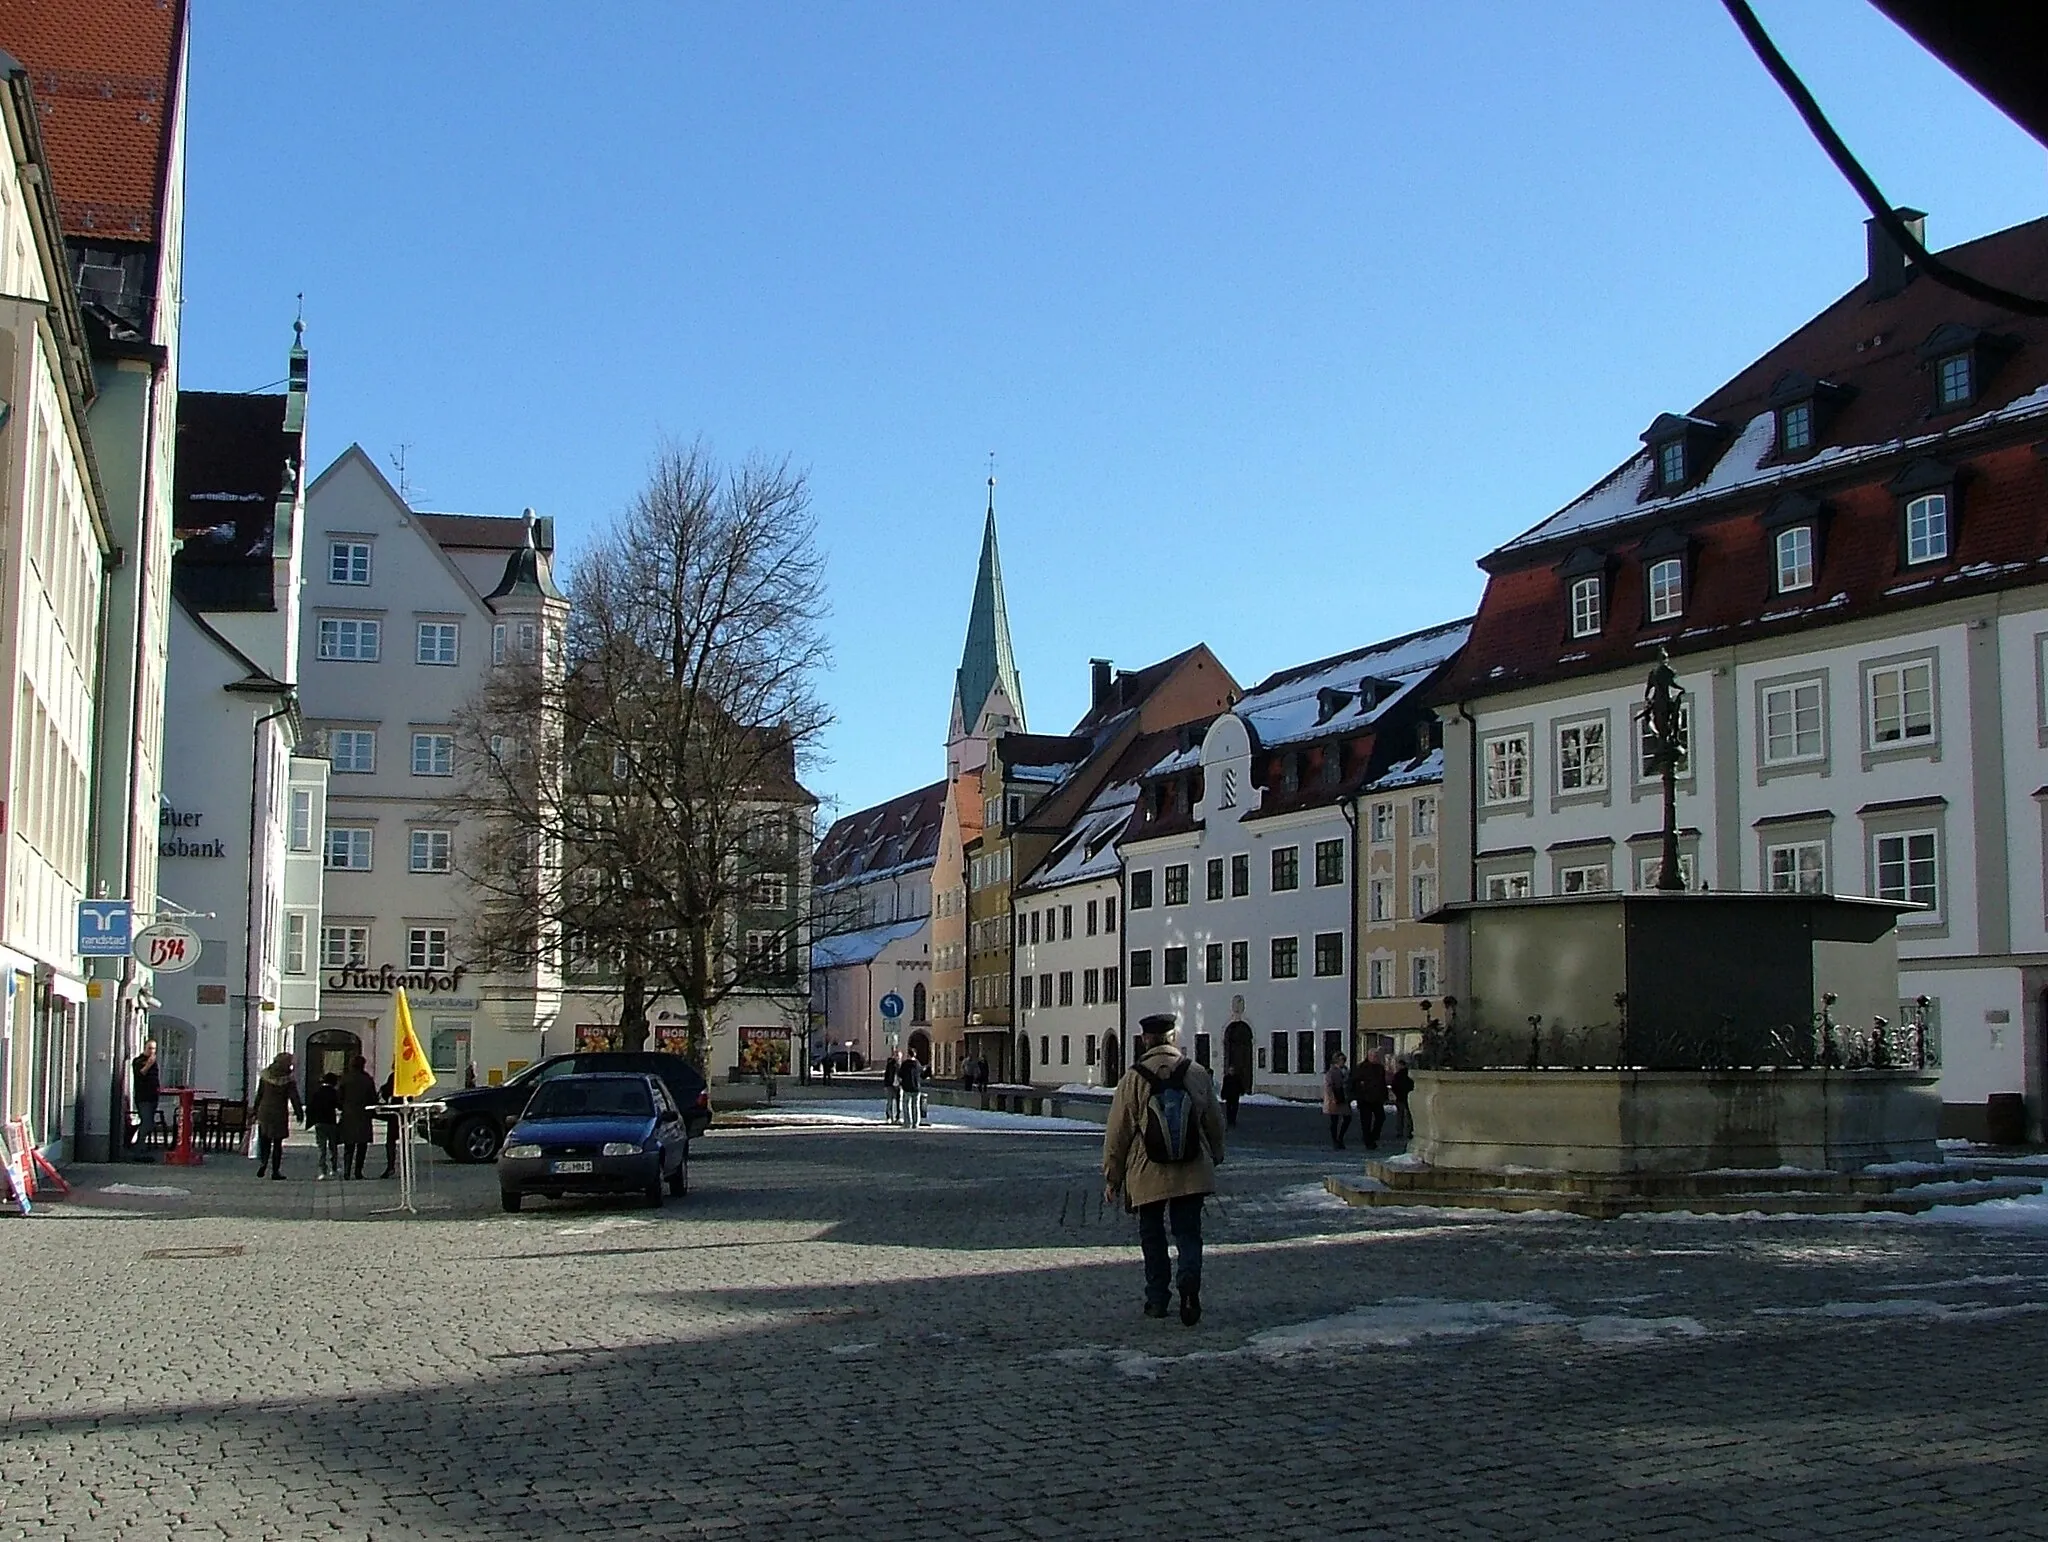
1276 317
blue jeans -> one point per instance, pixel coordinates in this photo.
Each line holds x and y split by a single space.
1183 1217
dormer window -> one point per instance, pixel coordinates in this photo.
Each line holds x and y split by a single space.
1927 528
1671 466
1926 491
1795 428
1794 551
1682 451
1589 608
1953 386
1667 589
1963 360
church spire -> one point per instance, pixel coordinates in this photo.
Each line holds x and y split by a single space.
987 695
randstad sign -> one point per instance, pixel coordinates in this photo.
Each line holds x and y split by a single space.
172 842
361 980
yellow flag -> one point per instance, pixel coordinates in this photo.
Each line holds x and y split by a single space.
410 1073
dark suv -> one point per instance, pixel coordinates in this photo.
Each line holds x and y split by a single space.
470 1125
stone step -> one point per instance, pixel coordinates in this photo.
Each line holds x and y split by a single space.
1605 1205
1403 1176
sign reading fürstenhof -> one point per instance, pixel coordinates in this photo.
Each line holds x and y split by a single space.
361 980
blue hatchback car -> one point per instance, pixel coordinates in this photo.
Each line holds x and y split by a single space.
608 1133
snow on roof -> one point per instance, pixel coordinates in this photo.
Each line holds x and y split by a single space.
1616 498
1088 849
1050 774
1347 692
1411 773
862 946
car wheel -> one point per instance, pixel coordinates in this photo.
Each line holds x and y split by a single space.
679 1180
476 1139
510 1199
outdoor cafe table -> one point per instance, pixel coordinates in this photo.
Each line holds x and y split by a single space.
184 1151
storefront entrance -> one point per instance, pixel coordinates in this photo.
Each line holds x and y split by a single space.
328 1052
1237 1052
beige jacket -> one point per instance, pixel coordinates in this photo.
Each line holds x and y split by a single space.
1124 1162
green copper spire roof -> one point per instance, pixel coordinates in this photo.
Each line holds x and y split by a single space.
987 666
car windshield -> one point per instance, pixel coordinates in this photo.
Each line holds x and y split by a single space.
575 1097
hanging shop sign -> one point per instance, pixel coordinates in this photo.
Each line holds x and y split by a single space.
167 947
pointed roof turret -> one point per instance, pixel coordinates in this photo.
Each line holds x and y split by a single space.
527 571
988 669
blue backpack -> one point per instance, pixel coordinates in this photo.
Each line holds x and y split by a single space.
1170 1116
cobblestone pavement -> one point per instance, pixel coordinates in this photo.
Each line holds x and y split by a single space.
872 1333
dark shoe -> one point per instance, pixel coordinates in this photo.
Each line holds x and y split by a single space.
263 1172
275 1173
388 1172
1190 1305
1155 1310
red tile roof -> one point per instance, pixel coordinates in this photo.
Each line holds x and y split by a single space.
899 833
104 73
1522 633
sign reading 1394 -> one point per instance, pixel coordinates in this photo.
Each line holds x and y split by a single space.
167 947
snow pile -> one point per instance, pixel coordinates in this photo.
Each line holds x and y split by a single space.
1401 1321
1628 1332
860 1113
149 1190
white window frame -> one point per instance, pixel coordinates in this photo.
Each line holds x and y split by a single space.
1666 585
1424 816
1585 878
1788 864
498 642
1382 826
297 924
353 762
345 559
1582 756
438 632
1786 705
1792 558
1902 693
1379 977
1906 862
1425 971
1510 886
1512 784
364 637
768 891
1589 606
430 851
1929 542
1649 869
1379 899
344 947
299 823
427 947
1422 893
353 840
433 753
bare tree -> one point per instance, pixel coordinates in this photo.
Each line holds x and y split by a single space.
639 796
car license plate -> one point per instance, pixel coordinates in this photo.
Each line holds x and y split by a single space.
569 1167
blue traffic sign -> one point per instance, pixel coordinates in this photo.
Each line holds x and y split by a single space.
892 1006
105 928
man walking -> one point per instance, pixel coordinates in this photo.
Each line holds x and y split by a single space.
147 1079
1337 1099
892 1075
1369 1091
1159 1153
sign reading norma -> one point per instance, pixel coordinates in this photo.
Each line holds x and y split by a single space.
171 844
362 980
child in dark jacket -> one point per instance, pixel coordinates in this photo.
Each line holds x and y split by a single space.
323 1113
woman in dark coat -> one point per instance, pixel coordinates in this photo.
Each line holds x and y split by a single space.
277 1099
358 1091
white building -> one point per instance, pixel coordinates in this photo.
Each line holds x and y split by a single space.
240 808
112 98
871 888
1840 549
403 613
1240 883
52 514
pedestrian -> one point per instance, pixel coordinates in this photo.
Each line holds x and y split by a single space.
1159 1155
468 1075
323 1113
1233 1089
1369 1092
277 1099
892 1076
1401 1083
356 1094
981 1079
1337 1099
146 1080
910 1090
385 1094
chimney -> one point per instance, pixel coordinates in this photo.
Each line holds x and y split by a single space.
544 534
1890 268
1100 678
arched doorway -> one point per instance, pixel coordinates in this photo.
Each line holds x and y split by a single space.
920 1047
1237 1052
1023 1057
329 1050
1112 1059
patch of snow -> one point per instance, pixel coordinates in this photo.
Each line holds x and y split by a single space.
1074 1089
1625 1332
850 1351
1924 583
2028 1211
1399 1322
603 1223
1968 1281
1912 1306
1273 1100
151 1190
940 1117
